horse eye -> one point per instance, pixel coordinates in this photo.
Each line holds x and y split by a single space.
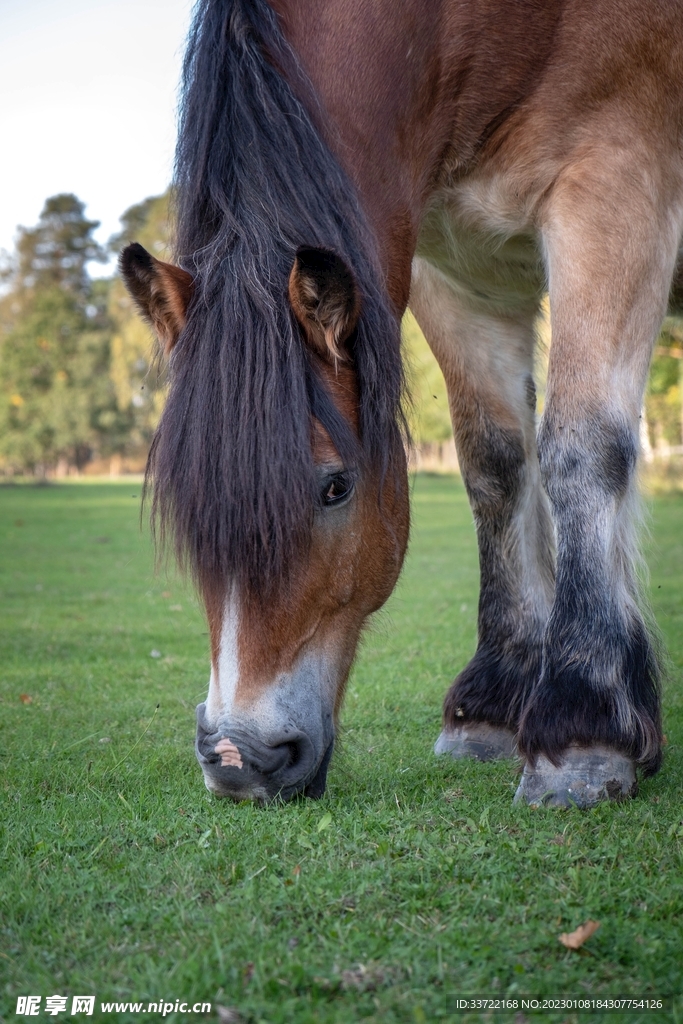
336 489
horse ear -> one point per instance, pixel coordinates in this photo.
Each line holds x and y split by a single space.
161 292
325 300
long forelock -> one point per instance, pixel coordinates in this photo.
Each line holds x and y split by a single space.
231 465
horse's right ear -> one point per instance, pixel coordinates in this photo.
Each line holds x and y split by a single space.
161 292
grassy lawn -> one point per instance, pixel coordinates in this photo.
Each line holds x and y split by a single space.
412 882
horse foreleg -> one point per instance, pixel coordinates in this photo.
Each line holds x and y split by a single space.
610 243
486 359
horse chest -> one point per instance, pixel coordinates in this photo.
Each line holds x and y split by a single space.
476 236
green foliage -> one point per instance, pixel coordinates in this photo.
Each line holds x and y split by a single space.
413 881
135 369
664 397
47 369
78 373
54 254
429 417
56 403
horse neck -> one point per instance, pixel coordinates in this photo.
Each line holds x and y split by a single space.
409 95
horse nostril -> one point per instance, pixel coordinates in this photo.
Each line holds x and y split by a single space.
294 754
292 759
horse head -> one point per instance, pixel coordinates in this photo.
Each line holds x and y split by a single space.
282 647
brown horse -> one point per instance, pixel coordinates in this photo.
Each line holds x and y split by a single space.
336 160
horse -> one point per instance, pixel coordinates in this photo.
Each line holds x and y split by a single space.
335 162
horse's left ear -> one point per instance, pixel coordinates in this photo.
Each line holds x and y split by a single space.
161 292
325 299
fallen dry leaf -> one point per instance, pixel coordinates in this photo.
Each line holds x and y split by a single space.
574 940
25 699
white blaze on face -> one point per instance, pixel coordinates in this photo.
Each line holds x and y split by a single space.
296 709
223 681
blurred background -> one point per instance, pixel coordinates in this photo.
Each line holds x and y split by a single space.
88 97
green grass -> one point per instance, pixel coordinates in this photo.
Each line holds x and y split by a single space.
414 880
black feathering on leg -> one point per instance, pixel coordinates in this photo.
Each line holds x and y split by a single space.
500 475
600 676
494 686
568 708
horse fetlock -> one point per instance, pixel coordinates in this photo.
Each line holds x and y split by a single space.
478 740
607 697
583 777
494 686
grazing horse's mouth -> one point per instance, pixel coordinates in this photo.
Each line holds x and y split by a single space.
243 767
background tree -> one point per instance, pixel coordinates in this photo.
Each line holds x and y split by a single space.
56 402
664 397
428 415
54 254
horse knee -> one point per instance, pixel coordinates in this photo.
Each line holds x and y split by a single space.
590 459
493 464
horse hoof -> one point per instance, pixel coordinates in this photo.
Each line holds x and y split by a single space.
585 777
479 740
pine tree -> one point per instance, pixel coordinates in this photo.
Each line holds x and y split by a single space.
56 399
56 251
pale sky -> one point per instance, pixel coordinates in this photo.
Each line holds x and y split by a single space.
88 97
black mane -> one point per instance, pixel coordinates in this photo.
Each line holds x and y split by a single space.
231 465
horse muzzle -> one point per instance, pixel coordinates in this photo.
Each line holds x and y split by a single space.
239 763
